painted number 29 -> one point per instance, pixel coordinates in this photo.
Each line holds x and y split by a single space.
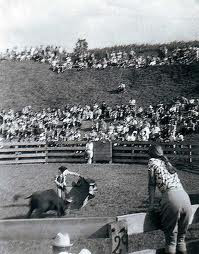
120 241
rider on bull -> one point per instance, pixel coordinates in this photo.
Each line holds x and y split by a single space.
60 181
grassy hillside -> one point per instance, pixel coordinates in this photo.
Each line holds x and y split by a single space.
30 83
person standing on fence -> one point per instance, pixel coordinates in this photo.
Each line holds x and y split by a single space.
60 181
175 205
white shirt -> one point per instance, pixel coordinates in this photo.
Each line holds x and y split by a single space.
89 147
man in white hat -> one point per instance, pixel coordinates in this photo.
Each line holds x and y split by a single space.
85 251
61 244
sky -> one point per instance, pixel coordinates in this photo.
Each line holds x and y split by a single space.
101 22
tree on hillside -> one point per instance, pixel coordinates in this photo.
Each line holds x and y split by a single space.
81 47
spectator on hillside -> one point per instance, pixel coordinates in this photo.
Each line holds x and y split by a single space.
155 132
131 136
121 88
179 137
162 121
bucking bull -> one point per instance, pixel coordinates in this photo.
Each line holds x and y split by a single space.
43 201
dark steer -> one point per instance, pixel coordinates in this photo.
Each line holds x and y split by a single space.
43 201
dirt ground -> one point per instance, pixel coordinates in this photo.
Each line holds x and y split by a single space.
122 189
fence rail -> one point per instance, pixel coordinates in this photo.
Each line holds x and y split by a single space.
74 152
117 229
21 153
137 152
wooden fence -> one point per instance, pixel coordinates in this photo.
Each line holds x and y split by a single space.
38 152
74 152
137 152
116 229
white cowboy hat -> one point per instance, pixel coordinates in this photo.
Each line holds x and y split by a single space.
85 251
62 240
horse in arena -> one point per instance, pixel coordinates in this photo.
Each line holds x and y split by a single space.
78 196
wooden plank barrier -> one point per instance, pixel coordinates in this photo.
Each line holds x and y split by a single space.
102 152
40 152
137 152
119 237
116 229
146 222
47 228
74 152
22 152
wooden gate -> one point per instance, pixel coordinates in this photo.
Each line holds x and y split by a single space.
102 152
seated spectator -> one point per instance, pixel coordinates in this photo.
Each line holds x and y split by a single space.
61 244
155 132
179 137
131 136
106 122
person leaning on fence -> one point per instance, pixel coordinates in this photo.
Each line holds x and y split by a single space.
60 181
175 205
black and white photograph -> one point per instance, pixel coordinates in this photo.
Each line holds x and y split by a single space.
99 127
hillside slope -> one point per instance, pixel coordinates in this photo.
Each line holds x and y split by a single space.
30 83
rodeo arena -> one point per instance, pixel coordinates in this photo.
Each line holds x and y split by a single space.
82 177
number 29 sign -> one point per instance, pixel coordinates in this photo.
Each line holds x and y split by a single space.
119 236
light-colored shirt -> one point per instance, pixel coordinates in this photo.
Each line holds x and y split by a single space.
60 180
164 180
89 147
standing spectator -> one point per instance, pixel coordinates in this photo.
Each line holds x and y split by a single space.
175 203
89 151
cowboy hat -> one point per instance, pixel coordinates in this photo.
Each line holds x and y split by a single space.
85 251
62 240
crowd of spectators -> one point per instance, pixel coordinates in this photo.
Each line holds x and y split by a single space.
129 122
59 60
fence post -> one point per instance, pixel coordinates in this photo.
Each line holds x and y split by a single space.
174 149
119 237
16 153
132 151
190 153
111 152
46 153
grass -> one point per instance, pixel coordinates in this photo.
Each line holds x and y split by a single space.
122 190
30 83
